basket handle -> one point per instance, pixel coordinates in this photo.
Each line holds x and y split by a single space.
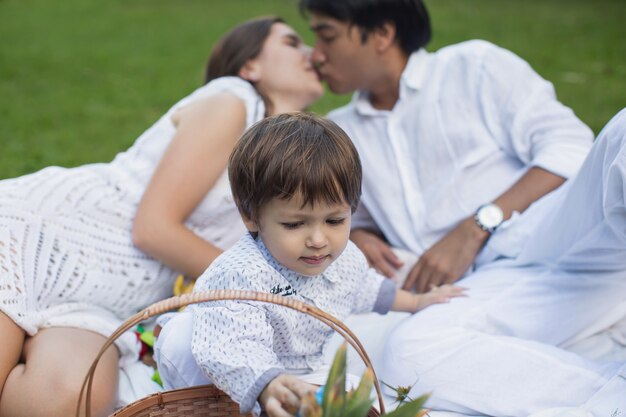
177 302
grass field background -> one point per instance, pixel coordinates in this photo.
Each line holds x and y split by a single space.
81 79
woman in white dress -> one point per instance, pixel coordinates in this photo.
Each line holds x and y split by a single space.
83 248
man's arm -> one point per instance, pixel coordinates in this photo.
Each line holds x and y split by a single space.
447 260
370 240
530 124
377 252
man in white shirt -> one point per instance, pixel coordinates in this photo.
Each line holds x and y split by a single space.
440 134
463 152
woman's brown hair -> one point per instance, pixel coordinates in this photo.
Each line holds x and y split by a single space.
241 44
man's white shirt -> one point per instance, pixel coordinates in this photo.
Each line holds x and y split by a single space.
471 119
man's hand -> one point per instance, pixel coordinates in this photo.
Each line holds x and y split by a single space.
447 260
281 397
378 253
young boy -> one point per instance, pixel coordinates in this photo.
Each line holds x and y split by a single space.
296 180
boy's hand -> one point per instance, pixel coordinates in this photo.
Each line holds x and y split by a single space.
281 397
437 295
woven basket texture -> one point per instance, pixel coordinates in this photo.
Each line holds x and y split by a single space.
203 401
207 400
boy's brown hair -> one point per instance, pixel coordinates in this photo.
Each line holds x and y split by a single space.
294 154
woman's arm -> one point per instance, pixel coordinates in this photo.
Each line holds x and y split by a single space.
195 159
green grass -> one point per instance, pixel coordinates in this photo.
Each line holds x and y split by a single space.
81 79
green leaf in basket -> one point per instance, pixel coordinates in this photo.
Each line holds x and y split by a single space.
359 401
335 391
409 409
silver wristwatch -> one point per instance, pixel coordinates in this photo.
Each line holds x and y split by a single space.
488 217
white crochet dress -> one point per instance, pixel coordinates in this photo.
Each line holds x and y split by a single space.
66 253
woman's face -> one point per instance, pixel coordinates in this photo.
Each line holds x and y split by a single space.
283 71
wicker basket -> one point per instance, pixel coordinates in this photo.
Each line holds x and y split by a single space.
208 400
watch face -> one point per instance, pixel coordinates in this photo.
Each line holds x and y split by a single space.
490 216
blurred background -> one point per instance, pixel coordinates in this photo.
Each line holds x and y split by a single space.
81 79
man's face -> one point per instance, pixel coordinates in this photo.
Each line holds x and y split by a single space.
343 60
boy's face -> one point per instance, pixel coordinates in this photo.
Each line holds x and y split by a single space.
304 239
343 60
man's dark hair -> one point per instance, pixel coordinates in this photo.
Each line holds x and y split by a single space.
294 154
410 17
